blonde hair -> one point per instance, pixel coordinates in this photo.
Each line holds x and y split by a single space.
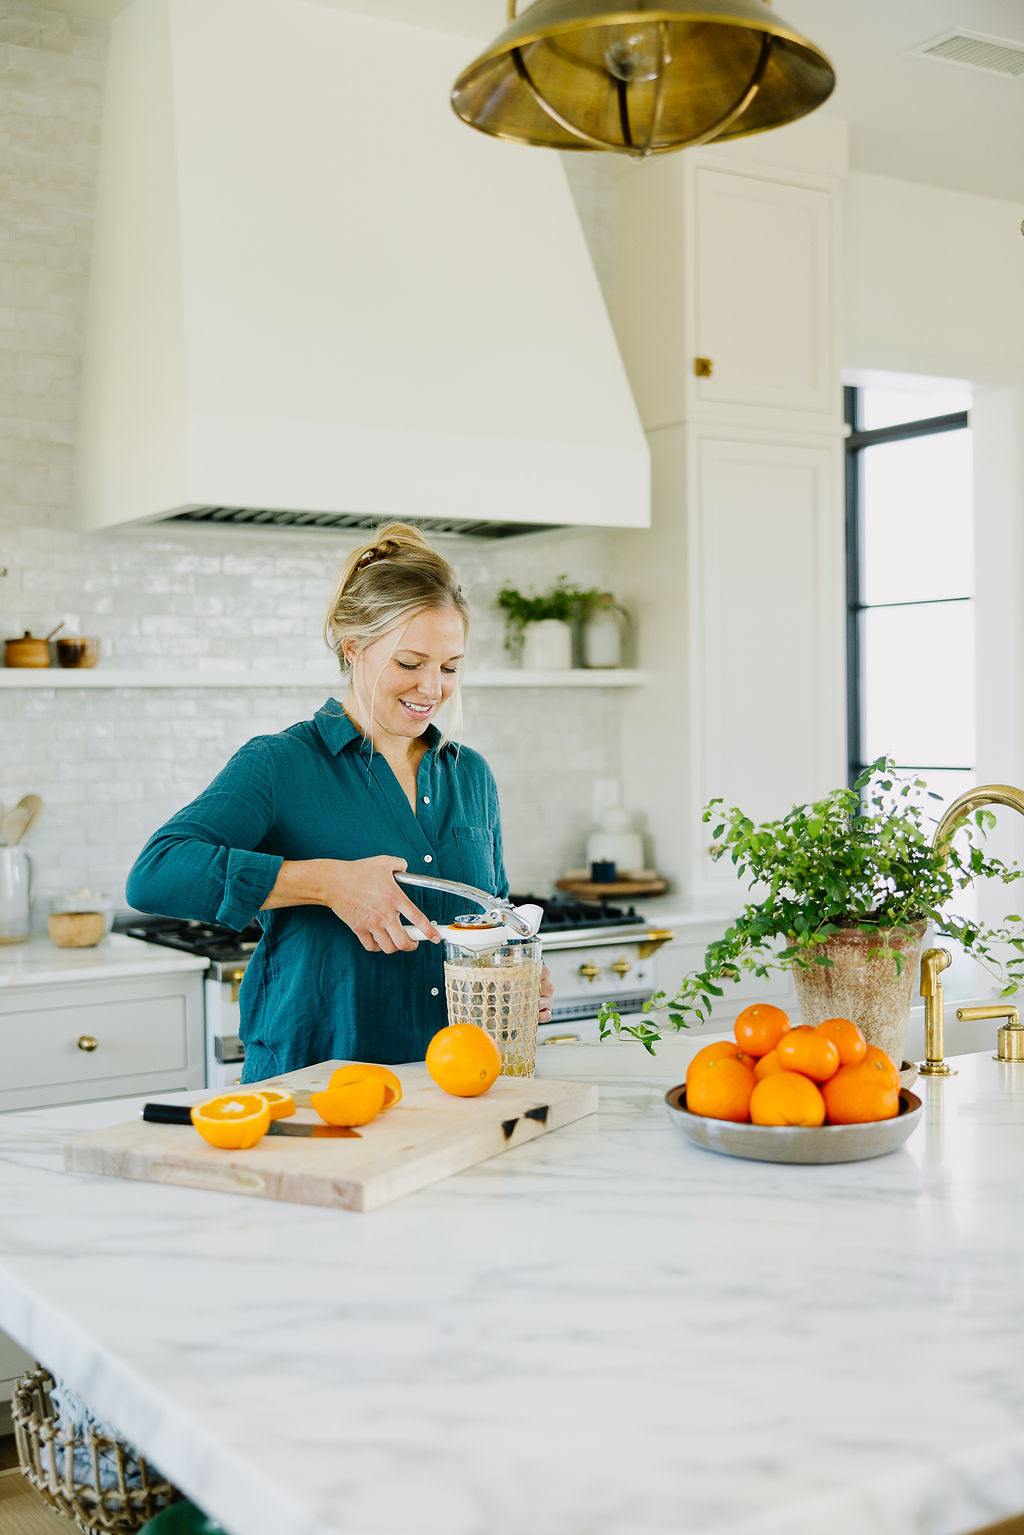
384 583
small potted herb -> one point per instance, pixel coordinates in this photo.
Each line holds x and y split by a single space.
538 628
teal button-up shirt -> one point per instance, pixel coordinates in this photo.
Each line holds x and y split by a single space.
311 992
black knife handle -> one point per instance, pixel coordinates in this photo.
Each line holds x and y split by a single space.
167 1114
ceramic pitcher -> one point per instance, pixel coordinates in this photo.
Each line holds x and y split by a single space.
15 893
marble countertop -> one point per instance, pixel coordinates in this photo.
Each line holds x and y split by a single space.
607 1331
41 962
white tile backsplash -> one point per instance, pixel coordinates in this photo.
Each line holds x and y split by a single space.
111 765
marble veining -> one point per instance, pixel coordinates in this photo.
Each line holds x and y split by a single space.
39 962
608 1331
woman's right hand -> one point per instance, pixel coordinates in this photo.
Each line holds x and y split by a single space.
367 898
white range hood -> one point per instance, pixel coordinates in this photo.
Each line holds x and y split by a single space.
316 293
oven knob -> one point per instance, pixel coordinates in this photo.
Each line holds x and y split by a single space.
236 980
622 967
590 972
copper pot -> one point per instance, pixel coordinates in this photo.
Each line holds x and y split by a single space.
29 651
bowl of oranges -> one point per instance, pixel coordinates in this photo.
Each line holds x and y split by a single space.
784 1094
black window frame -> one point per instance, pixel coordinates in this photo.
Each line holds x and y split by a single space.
858 438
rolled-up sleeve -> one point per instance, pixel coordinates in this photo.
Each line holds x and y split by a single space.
203 863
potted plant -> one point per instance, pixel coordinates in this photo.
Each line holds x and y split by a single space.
844 889
538 628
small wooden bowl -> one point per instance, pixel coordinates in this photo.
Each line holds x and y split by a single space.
77 653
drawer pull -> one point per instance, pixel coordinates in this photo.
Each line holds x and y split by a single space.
562 1039
86 1042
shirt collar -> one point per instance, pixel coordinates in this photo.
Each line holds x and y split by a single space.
339 734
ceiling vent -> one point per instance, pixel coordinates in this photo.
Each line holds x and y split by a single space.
994 55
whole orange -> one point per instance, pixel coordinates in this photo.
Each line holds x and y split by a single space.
759 1028
804 1049
463 1059
847 1038
767 1065
876 1053
787 1098
721 1089
723 1049
859 1094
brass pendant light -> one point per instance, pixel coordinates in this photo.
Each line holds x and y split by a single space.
641 78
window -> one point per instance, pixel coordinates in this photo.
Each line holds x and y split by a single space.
910 582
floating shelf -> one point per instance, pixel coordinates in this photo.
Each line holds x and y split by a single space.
498 677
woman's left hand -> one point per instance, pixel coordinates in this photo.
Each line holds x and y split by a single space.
547 991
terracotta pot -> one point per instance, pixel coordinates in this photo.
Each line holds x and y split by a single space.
868 991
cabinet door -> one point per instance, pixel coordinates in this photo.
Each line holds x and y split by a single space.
768 615
763 305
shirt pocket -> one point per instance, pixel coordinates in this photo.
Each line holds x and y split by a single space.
467 854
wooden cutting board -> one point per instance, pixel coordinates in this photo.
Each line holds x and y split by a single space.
428 1136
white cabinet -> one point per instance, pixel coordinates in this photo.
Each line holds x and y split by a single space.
105 1038
739 587
726 291
761 301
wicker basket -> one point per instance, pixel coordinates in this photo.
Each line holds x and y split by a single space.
47 1456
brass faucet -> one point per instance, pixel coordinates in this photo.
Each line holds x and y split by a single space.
1011 1035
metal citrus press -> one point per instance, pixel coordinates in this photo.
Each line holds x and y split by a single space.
495 908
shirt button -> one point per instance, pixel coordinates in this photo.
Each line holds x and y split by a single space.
433 991
426 799
427 858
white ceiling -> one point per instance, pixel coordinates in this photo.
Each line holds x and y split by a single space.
910 118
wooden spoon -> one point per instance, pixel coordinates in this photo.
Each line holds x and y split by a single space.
16 822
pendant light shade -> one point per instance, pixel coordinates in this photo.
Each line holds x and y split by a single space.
641 78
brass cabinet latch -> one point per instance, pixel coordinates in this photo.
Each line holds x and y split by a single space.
703 367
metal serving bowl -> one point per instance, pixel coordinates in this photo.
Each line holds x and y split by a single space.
793 1143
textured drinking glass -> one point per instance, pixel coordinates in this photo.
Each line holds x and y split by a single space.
500 992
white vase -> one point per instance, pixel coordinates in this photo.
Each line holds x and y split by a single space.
602 639
547 646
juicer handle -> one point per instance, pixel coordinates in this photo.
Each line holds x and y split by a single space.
495 908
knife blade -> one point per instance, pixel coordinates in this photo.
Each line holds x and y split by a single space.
181 1114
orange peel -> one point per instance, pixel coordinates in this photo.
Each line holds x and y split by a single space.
234 1121
359 1070
350 1103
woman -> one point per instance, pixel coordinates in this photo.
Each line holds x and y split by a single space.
305 830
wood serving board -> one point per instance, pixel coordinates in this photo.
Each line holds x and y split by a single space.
426 1137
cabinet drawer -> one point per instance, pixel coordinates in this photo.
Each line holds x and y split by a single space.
148 1034
46 1046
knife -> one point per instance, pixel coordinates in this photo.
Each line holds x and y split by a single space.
181 1114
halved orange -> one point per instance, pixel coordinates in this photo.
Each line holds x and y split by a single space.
360 1069
355 1102
234 1121
281 1103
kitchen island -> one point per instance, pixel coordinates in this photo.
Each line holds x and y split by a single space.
607 1330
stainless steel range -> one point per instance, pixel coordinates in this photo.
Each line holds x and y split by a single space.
596 953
